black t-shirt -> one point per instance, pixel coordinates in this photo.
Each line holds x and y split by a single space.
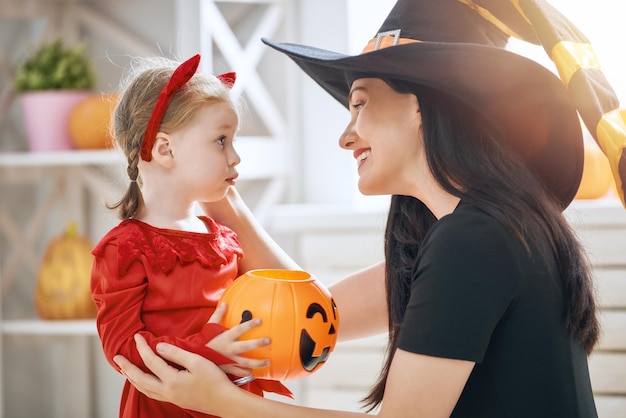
478 295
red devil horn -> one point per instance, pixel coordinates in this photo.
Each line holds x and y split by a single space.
228 79
181 75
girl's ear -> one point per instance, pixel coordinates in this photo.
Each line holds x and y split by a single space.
162 150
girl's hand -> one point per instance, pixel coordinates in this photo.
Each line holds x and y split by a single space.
229 345
186 388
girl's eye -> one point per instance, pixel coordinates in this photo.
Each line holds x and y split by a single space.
221 140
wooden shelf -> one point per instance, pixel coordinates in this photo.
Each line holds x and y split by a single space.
43 327
60 158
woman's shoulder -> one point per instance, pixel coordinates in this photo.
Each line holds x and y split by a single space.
471 246
470 232
469 222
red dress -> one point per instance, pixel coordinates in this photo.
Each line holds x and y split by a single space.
163 284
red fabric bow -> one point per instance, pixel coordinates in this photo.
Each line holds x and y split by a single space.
179 78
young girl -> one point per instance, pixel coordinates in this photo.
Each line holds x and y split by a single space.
161 271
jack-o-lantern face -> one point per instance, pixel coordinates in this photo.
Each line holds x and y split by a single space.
298 314
307 343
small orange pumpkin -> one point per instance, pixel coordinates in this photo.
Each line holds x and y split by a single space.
597 177
298 314
90 121
63 284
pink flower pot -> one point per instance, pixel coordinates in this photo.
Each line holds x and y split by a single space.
46 116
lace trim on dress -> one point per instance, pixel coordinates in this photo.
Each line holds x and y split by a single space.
163 249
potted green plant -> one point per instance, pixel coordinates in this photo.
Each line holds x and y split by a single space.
51 81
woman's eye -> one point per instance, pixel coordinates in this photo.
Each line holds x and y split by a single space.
356 105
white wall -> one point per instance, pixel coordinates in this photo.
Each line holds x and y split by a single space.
329 173
326 175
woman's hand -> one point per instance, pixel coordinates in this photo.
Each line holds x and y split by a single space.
229 345
186 388
262 252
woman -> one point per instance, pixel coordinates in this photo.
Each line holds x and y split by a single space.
490 304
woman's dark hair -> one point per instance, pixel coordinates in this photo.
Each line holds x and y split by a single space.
469 162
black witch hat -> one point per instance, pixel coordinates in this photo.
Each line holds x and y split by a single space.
457 47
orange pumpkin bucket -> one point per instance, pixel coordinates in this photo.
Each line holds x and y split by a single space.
298 314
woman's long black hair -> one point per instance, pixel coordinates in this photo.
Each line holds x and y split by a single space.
469 162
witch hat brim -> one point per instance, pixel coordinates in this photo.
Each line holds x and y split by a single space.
525 103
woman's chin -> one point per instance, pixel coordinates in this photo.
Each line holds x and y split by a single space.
366 190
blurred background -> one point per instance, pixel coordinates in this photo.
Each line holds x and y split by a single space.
293 175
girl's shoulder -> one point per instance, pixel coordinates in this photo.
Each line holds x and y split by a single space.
163 248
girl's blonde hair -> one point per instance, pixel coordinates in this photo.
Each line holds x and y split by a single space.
139 91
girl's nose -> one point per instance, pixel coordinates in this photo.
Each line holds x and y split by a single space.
234 159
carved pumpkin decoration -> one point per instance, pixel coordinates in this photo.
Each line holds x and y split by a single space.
597 177
298 314
90 121
63 285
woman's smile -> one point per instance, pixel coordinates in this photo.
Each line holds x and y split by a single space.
361 155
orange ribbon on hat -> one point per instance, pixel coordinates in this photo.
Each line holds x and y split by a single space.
580 72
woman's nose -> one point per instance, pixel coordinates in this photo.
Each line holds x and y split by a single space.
348 137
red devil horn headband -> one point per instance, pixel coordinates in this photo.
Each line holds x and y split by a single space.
179 78
228 79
